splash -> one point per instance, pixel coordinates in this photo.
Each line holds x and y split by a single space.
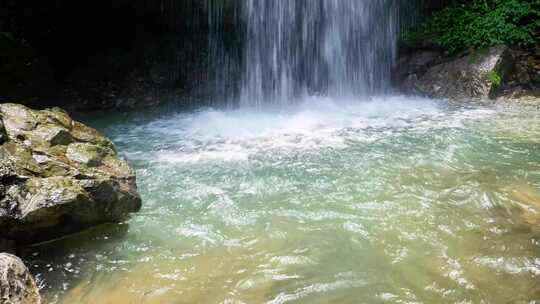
316 123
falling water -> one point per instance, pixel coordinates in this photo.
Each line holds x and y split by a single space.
259 52
316 47
278 52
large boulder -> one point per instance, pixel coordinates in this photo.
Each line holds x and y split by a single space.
523 83
473 75
17 286
58 176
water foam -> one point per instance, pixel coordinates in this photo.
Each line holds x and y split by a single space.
315 123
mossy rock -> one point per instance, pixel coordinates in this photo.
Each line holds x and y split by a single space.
476 75
86 153
58 176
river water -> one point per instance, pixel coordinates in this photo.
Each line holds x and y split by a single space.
385 200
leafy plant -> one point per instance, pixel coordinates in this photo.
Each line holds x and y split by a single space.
481 23
495 78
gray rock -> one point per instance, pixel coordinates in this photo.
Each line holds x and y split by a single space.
17 286
476 75
57 116
83 133
59 176
7 166
17 119
85 153
52 135
412 63
3 135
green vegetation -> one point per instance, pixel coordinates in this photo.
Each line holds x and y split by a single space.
481 23
536 78
495 78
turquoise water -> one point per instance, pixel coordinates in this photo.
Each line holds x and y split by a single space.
391 200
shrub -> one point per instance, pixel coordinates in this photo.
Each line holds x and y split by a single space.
481 23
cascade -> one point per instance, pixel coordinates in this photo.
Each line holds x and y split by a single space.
290 49
326 47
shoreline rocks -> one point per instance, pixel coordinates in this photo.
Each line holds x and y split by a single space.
17 286
498 72
58 176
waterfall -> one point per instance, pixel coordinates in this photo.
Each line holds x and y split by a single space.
275 52
294 48
327 47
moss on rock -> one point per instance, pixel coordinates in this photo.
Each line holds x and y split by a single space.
58 176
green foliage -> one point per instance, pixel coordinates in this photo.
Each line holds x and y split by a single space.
6 35
495 78
481 23
536 78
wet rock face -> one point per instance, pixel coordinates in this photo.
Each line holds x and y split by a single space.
475 75
7 246
3 135
413 63
58 176
17 286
